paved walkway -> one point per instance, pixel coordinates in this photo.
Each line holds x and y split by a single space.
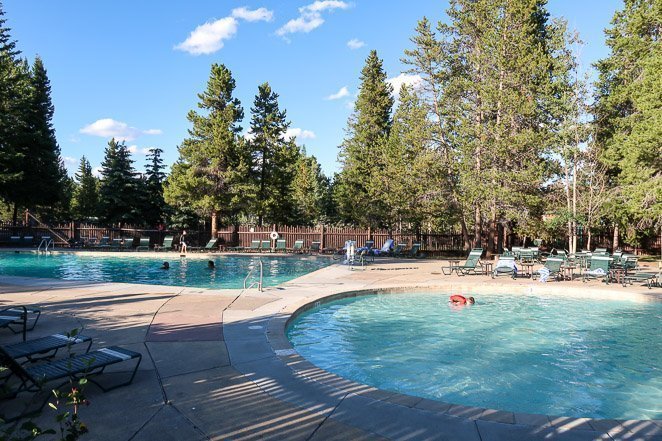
216 363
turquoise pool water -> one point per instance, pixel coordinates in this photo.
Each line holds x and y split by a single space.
230 271
544 355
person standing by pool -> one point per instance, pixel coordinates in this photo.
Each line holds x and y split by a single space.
457 299
182 241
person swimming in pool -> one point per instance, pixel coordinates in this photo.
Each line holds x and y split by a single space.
457 299
210 264
165 265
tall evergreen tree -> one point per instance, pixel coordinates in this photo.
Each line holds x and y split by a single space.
119 191
212 172
13 93
154 177
628 112
274 159
309 191
85 202
368 127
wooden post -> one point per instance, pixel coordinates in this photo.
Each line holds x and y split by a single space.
214 228
322 242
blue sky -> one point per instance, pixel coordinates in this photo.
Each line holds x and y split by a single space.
134 68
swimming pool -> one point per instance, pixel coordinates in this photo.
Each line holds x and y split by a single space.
230 271
533 354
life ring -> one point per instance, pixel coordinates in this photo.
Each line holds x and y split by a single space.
274 235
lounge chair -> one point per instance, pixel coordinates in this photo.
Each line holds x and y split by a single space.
28 241
144 244
551 269
116 244
211 246
127 243
22 317
600 251
255 246
45 347
104 243
167 244
471 266
505 266
413 252
280 246
385 249
266 245
34 378
298 246
15 241
599 268
315 247
399 249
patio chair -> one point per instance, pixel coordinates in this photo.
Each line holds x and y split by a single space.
298 246
104 243
505 266
599 269
127 243
255 246
551 269
649 278
315 247
34 378
600 251
45 347
116 244
470 266
144 244
385 249
266 245
210 246
413 252
15 241
27 241
167 244
22 317
399 249
281 246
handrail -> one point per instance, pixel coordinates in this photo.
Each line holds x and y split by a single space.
250 273
43 225
46 242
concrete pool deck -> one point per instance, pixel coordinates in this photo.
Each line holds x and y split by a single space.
216 363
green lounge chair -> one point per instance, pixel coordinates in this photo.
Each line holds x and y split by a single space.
298 246
116 244
280 246
266 245
472 264
399 249
144 244
255 246
104 243
27 241
505 266
15 241
35 377
315 247
553 265
600 251
167 244
127 243
46 347
413 252
599 269
210 247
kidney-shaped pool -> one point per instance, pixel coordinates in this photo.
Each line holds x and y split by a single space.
535 354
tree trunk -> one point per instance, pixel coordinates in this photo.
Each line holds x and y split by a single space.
15 215
588 241
492 233
214 224
465 234
615 241
477 227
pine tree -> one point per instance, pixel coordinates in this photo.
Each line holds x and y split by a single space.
154 206
119 191
274 159
212 172
368 127
85 202
13 92
309 191
628 112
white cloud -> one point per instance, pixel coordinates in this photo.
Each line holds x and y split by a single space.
68 160
310 17
323 5
343 92
299 134
132 148
249 136
410 80
355 43
109 128
96 171
208 38
260 14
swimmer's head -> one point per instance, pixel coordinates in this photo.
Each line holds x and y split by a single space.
210 264
166 265
471 300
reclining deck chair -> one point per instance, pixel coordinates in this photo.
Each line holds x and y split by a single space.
210 246
505 266
470 266
385 249
144 244
551 269
34 378
19 316
281 246
45 347
599 269
167 244
298 246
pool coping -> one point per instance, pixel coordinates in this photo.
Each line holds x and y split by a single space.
537 423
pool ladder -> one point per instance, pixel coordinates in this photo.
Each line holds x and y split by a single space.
254 282
46 242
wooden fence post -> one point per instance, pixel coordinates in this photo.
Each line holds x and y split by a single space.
322 241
